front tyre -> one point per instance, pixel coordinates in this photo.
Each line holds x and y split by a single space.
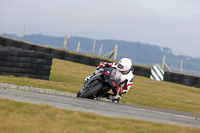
90 93
78 94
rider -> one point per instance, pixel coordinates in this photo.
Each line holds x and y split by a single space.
127 77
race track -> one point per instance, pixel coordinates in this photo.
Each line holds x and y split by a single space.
105 108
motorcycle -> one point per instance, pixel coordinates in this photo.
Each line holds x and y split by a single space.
100 84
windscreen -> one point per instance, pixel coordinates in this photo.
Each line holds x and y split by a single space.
115 75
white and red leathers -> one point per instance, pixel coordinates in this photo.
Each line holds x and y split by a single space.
126 80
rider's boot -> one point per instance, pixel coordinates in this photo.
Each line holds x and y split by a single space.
115 98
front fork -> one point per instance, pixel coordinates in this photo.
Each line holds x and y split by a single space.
95 77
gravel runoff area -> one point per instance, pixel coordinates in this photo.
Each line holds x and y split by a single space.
34 89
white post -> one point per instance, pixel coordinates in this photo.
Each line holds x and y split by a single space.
115 52
78 47
163 62
111 52
93 47
168 67
100 49
65 43
23 33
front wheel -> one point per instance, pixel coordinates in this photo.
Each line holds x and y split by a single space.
78 94
90 93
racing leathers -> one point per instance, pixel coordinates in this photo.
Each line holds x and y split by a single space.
125 85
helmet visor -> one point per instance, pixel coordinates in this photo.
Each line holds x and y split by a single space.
120 66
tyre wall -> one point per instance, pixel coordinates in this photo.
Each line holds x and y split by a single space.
24 63
184 79
93 61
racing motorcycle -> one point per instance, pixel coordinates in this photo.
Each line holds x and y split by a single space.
100 84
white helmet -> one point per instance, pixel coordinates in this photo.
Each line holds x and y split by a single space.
125 64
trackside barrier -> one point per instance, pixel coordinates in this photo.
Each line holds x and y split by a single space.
142 71
188 80
24 63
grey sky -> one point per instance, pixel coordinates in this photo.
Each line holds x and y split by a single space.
166 23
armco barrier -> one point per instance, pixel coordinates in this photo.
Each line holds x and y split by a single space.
24 63
79 58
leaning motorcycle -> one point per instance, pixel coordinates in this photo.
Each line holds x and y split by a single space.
100 84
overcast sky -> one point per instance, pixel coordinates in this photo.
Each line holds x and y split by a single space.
166 23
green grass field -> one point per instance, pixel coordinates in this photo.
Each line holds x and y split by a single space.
18 117
69 77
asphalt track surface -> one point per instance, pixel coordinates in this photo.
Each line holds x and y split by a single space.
105 108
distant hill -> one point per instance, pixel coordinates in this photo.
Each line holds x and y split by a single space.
140 53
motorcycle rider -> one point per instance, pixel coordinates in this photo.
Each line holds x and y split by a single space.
127 77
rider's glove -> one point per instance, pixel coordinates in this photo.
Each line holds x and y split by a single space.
87 78
102 64
119 90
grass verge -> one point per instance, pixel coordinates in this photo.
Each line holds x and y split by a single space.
68 77
21 117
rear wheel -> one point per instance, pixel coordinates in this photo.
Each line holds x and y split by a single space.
89 93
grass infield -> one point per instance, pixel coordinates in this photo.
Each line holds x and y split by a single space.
68 76
18 117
